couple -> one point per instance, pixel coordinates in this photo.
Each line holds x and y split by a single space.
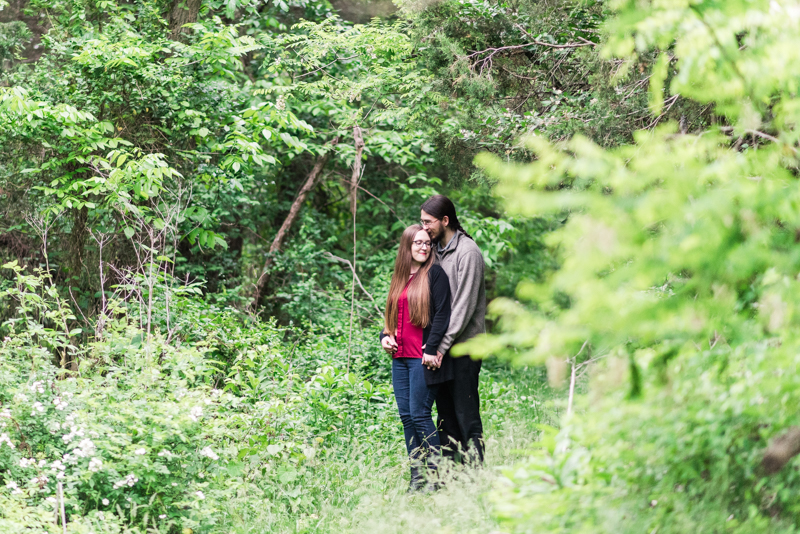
436 299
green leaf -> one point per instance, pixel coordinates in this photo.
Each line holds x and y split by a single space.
129 232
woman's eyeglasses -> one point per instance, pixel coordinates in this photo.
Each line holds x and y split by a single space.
420 244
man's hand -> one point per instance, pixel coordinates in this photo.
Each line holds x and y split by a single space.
389 344
429 361
439 357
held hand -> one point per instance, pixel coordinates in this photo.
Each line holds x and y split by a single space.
429 361
389 344
439 357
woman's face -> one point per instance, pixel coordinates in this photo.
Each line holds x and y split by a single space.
421 247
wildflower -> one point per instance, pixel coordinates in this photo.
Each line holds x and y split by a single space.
140 451
11 485
101 516
208 453
59 404
84 448
5 439
174 483
37 387
42 463
200 495
129 481
162 516
196 413
105 502
5 413
51 500
166 453
37 407
95 464
57 465
26 462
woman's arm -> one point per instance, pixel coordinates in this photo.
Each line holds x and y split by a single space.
440 298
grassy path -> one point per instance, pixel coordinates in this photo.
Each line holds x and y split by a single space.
365 491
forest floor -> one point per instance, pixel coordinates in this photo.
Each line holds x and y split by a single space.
365 490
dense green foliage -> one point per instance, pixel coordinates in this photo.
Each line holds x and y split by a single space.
197 247
678 267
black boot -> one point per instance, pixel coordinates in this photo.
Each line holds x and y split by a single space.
417 479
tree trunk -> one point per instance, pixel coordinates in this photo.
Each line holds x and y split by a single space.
182 12
781 450
294 211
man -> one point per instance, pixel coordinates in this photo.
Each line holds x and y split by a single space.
457 401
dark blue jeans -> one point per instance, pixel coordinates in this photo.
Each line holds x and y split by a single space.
414 402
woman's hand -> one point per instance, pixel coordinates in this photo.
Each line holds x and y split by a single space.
389 344
429 361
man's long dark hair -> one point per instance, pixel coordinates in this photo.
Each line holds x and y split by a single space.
440 207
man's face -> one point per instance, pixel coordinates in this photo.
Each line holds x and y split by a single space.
433 225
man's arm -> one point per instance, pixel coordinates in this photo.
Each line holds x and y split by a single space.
465 300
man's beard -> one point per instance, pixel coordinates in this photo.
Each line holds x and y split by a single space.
437 239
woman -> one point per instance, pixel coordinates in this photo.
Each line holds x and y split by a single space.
417 316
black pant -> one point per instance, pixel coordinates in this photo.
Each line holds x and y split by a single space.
458 404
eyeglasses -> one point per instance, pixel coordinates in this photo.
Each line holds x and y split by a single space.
420 244
426 224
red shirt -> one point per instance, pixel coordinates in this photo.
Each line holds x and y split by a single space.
409 337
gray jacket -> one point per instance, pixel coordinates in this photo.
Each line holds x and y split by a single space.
462 260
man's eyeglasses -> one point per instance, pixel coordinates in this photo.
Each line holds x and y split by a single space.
426 224
420 244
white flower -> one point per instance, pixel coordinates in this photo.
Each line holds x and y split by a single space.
11 485
57 465
37 387
208 453
84 449
60 475
26 462
40 479
95 464
42 463
37 407
101 516
162 516
105 502
129 480
5 413
174 483
59 404
5 439
200 495
196 413
166 453
140 451
51 500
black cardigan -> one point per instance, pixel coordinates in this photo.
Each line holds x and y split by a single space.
437 325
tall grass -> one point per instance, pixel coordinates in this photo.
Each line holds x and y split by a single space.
360 487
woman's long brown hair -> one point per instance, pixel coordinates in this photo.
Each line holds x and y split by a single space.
419 296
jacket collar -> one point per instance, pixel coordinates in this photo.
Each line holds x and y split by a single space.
451 245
